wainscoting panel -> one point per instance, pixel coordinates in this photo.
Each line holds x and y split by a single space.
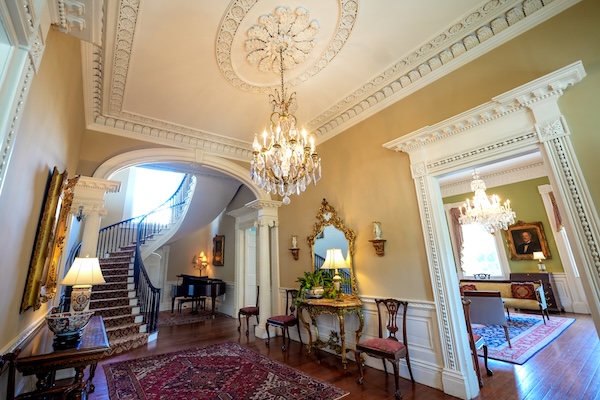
422 331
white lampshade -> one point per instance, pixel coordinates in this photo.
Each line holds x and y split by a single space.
538 255
334 260
84 271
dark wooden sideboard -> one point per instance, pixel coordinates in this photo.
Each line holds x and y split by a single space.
38 357
552 298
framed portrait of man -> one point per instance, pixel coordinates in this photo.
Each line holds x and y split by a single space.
525 238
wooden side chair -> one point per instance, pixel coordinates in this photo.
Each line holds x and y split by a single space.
476 342
248 312
285 321
387 348
487 308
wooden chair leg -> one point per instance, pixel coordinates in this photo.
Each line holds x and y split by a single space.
397 394
247 324
239 321
488 371
299 335
409 368
507 336
268 337
360 367
283 330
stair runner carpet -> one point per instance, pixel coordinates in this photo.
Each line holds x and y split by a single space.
115 301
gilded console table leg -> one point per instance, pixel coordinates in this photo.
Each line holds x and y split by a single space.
361 324
343 340
307 326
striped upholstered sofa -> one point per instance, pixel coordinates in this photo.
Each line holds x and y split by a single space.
516 295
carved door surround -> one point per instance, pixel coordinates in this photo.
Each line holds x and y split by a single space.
521 121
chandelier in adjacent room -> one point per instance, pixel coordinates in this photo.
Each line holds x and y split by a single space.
485 211
284 160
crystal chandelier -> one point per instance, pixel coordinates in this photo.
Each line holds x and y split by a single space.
285 161
484 211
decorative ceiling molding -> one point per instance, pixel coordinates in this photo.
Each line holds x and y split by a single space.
510 102
495 23
237 12
291 32
499 178
79 18
491 25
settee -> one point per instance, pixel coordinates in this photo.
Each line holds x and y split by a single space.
516 295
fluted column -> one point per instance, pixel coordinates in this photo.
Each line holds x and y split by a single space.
88 203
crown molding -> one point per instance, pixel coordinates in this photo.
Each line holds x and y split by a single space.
482 30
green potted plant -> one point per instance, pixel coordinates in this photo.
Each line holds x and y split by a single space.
314 284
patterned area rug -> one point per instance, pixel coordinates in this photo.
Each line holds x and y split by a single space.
165 318
225 371
528 335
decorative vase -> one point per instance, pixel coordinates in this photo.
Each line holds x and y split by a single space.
315 292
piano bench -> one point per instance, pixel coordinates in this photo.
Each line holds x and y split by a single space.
199 301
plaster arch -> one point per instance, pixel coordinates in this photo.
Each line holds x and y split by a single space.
193 156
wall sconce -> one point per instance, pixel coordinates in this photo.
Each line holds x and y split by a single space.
378 242
200 262
295 250
539 255
80 214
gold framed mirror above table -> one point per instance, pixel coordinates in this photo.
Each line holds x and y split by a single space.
331 232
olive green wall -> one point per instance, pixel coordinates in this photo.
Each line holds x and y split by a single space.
366 182
527 203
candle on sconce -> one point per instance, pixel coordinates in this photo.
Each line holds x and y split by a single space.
377 229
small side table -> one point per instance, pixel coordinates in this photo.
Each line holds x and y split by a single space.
340 309
39 357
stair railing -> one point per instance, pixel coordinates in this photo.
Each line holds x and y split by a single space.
136 231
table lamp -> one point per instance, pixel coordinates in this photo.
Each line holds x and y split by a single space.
200 262
539 255
84 273
335 260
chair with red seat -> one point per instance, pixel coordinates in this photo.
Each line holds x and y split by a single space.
285 321
248 312
387 348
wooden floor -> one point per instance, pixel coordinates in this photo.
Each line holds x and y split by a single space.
568 368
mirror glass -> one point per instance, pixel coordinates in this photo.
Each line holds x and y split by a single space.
330 232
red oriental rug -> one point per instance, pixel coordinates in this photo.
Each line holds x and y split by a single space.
225 371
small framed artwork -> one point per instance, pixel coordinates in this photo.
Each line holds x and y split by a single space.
524 238
218 250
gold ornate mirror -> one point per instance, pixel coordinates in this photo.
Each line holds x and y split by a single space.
330 232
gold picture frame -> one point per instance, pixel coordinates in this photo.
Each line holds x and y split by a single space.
41 282
519 249
218 251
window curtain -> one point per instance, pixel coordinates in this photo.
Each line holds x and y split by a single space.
457 231
557 218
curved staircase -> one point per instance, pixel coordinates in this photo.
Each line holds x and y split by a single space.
117 303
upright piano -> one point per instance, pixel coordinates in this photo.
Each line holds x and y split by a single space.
196 287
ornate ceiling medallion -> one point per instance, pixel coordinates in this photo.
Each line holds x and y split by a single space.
289 33
233 19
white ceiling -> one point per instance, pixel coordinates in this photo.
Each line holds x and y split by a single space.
176 72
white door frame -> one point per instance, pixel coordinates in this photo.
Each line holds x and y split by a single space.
521 121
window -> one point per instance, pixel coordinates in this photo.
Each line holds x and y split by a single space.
151 189
480 253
